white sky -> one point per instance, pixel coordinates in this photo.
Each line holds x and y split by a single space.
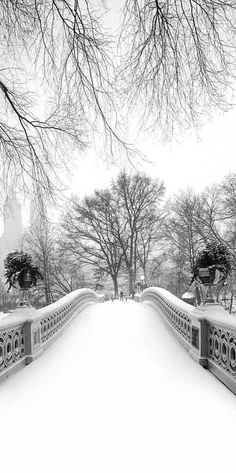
195 161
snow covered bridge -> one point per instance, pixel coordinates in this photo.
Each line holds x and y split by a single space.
115 393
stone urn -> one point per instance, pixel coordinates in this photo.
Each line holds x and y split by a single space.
211 275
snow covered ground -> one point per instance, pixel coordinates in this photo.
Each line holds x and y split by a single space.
116 393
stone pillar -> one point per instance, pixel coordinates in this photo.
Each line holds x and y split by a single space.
203 342
32 330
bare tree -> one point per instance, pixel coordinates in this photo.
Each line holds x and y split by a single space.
40 242
89 233
62 271
137 198
61 48
228 194
178 59
200 219
150 243
211 216
116 228
68 273
180 227
217 218
154 269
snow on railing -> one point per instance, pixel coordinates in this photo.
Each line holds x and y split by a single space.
27 332
208 333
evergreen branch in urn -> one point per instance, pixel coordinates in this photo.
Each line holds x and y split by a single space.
20 272
213 264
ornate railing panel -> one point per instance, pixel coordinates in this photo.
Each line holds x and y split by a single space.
27 332
55 316
222 348
208 333
184 320
12 346
177 317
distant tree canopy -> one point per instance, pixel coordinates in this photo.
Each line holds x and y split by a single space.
127 232
59 85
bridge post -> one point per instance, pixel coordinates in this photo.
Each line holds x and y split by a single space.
204 342
32 334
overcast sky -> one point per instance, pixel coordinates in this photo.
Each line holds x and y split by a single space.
194 161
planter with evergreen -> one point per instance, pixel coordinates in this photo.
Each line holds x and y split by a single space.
20 272
213 264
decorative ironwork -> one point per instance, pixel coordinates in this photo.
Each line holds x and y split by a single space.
27 337
54 321
177 318
222 348
36 337
12 347
195 337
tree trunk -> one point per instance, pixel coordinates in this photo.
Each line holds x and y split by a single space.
131 282
115 284
198 294
144 274
47 289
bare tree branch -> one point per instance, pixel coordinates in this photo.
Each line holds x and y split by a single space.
178 59
63 46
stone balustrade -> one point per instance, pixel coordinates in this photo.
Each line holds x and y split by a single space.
208 333
27 332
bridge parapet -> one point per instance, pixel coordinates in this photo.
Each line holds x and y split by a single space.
27 332
208 333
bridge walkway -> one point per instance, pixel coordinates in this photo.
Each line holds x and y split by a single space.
116 393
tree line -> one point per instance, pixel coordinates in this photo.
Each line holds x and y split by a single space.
131 229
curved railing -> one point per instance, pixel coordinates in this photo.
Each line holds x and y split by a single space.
27 332
208 333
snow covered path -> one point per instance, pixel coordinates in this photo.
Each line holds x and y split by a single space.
116 393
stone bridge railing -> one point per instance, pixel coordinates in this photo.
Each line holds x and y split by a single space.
207 333
27 332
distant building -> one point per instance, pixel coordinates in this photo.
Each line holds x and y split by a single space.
38 211
11 237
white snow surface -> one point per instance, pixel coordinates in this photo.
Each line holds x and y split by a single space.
116 393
